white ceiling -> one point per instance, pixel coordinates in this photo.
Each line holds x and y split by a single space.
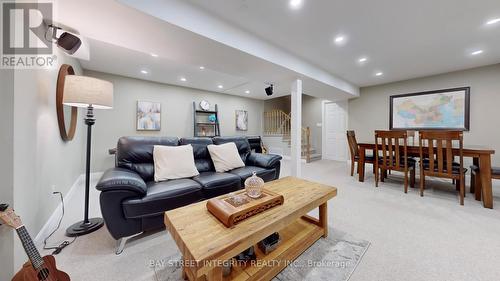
402 38
120 40
118 60
243 44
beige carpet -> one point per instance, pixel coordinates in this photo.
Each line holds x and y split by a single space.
332 259
412 238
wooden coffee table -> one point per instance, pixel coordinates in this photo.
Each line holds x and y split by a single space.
206 243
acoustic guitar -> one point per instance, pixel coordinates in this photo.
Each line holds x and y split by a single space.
37 268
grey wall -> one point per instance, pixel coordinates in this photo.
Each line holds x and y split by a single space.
41 158
6 169
311 116
176 118
284 103
371 110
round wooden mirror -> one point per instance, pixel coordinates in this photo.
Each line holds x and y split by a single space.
66 115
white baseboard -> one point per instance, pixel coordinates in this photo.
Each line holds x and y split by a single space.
288 158
51 223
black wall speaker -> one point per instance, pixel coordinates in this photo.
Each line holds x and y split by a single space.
69 42
269 90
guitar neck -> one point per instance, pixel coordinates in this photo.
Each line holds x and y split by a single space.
29 247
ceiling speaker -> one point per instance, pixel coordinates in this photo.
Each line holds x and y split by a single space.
270 90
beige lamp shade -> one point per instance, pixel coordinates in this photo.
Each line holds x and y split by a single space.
82 91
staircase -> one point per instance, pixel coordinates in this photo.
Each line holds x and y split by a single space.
277 133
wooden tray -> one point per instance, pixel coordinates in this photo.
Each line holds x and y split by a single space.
235 207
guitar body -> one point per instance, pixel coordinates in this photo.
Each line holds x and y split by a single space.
28 273
38 268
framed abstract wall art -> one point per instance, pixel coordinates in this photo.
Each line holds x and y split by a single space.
241 120
446 109
148 116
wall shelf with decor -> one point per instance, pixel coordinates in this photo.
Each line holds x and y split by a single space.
205 122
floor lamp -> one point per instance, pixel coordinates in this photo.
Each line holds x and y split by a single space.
91 93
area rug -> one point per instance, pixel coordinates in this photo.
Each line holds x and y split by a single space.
333 259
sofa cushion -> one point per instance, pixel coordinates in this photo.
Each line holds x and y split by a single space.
247 171
202 158
455 167
136 153
215 184
242 145
495 171
411 162
263 160
225 157
174 162
163 196
122 179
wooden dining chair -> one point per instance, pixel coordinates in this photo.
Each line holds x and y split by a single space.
391 155
475 179
411 136
440 145
353 148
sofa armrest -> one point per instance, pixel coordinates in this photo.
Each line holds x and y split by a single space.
122 179
263 160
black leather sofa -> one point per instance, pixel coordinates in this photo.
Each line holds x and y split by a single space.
132 202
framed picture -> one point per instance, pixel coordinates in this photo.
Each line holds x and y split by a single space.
241 120
148 116
447 109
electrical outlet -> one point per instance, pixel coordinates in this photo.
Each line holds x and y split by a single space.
53 188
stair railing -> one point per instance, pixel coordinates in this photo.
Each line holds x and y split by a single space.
279 123
306 144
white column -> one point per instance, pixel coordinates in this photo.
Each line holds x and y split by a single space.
296 127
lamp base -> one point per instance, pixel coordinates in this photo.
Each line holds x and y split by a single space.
81 228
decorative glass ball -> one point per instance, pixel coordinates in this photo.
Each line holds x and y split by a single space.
254 185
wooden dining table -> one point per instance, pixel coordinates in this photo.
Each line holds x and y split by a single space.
481 157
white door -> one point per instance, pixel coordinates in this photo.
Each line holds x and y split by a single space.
334 144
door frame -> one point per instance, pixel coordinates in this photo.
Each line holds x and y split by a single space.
323 127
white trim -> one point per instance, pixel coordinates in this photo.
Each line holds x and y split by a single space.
323 132
188 17
323 127
288 158
51 223
347 128
296 128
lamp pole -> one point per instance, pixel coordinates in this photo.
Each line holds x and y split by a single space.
91 93
87 225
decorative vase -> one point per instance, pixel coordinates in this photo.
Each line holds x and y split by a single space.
253 186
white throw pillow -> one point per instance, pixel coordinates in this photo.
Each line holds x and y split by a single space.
225 157
174 162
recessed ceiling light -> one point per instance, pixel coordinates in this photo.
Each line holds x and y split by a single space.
363 59
478 52
247 92
144 72
339 40
220 86
202 67
296 4
379 73
493 21
183 79
154 55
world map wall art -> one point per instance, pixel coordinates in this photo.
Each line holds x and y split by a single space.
434 110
